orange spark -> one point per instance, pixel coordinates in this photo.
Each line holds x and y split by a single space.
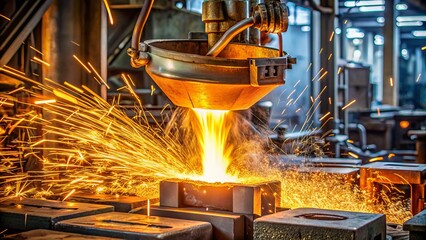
298 110
111 20
423 48
75 43
349 104
73 87
391 82
378 112
33 48
44 101
331 37
3 16
41 61
68 195
346 21
353 155
309 67
329 57
418 77
81 63
376 159
339 70
325 115
97 74
322 76
329 100
391 155
322 49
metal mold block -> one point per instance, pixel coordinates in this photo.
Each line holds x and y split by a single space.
52 235
259 199
226 225
416 226
397 173
120 203
26 214
318 224
137 226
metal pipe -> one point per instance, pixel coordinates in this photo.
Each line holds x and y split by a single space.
319 8
140 24
229 35
280 43
362 131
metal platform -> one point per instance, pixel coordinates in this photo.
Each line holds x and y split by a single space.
137 226
26 214
42 234
320 224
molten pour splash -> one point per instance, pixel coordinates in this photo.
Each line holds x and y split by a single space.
212 134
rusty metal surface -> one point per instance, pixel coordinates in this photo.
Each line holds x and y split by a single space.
408 173
26 214
42 234
137 226
224 82
226 225
258 199
120 203
318 224
397 173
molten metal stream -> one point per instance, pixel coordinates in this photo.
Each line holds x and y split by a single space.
213 131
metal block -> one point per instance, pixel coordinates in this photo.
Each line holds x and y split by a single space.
120 203
318 224
226 225
137 226
397 173
52 235
416 226
171 194
26 214
259 199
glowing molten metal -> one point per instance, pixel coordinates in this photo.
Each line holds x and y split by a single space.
212 134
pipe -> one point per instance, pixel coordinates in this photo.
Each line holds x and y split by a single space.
319 8
140 24
229 35
362 131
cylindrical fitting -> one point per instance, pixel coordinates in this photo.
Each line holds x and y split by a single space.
220 15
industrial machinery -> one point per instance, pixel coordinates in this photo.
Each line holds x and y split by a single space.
222 72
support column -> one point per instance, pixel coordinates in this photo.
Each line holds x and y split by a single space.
329 63
78 28
391 55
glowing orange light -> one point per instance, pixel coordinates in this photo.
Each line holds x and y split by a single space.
353 155
41 61
349 104
404 124
212 135
376 159
111 20
45 101
378 112
423 48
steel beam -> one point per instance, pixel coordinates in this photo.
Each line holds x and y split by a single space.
328 62
391 55
20 27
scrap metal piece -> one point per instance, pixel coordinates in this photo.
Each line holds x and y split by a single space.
52 235
397 173
226 225
416 226
120 203
258 199
137 226
26 214
318 224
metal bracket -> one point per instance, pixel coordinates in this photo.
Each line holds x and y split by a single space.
265 71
